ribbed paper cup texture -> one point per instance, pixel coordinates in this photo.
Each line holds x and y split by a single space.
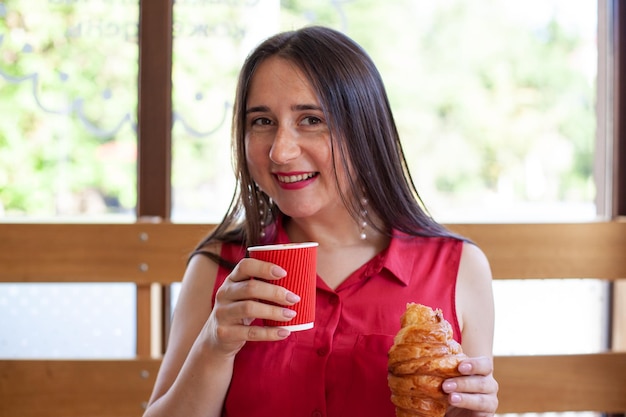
299 260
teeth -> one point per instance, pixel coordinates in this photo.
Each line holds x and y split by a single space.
295 178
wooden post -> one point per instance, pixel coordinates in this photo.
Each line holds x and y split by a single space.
154 115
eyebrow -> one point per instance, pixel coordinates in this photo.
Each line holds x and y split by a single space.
257 109
295 107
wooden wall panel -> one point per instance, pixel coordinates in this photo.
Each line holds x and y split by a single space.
593 382
119 388
75 388
141 252
157 252
147 253
568 250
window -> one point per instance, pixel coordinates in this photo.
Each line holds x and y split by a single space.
501 132
68 134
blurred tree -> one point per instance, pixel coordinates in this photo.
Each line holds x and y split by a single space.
488 104
68 145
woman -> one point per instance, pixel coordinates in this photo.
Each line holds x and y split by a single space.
318 158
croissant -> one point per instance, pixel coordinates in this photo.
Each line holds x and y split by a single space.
423 355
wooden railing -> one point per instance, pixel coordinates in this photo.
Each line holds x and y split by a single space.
148 254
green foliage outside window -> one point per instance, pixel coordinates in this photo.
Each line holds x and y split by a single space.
487 104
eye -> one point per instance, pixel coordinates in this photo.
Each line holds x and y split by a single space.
261 121
311 120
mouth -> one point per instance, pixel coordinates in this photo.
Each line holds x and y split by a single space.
290 179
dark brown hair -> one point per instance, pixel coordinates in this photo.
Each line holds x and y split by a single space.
353 97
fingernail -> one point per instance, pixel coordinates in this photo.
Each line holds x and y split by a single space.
292 298
455 398
278 272
289 313
449 386
283 332
465 368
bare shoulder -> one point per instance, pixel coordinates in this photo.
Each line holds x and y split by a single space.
199 268
474 263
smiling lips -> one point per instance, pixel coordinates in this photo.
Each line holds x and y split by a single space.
294 177
295 181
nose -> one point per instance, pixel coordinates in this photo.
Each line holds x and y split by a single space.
285 146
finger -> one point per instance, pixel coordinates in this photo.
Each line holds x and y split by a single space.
249 267
251 309
251 333
253 289
481 365
234 323
485 404
231 338
471 384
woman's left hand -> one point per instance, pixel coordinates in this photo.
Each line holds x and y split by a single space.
475 394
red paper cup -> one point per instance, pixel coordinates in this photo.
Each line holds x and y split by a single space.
299 260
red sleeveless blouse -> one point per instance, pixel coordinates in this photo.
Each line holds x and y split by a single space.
339 368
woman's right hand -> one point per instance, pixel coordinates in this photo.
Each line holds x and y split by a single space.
198 364
239 301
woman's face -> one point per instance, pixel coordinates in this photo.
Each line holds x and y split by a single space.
288 143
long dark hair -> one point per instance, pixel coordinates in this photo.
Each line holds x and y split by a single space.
364 134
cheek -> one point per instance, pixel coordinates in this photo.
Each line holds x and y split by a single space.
256 157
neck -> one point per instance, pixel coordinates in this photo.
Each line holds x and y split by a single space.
341 250
338 232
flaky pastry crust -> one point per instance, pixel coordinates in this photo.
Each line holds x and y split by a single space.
423 355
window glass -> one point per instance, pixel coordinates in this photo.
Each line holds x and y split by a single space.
495 100
552 316
67 321
68 76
